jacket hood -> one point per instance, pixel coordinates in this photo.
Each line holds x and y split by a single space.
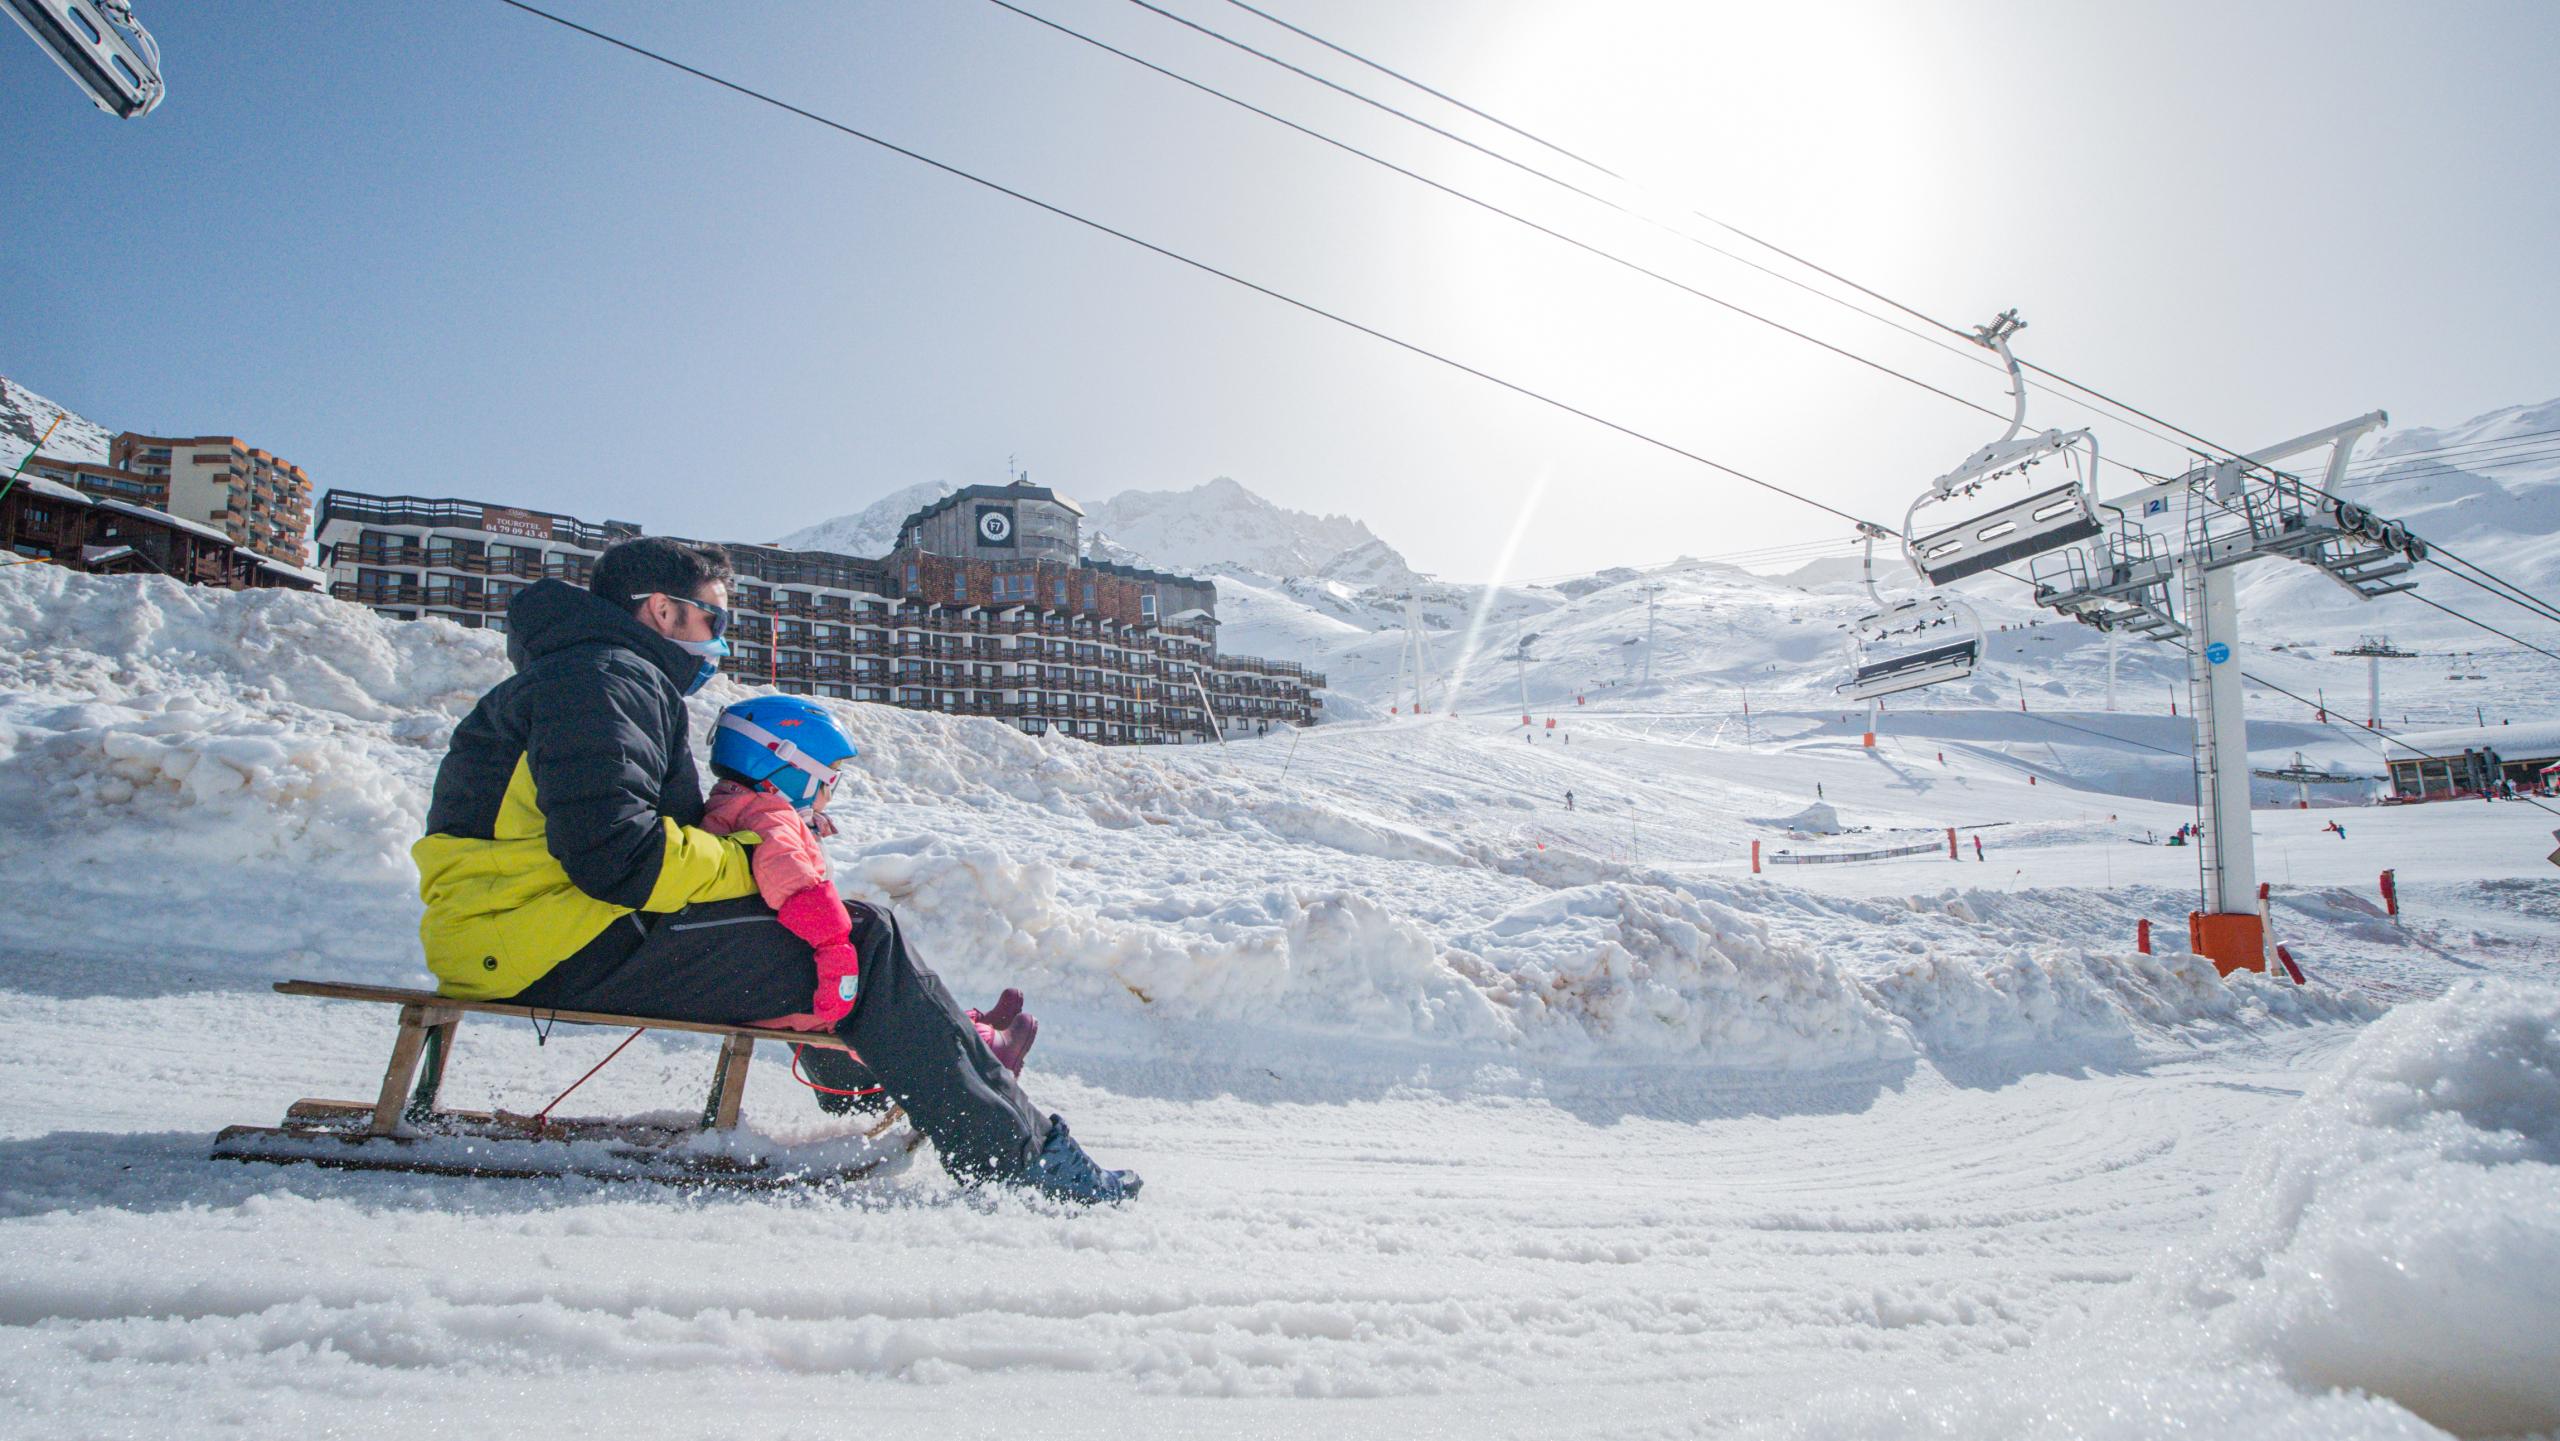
549 616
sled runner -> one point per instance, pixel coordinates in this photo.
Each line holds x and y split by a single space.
404 1129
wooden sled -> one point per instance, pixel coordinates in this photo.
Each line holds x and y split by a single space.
404 1129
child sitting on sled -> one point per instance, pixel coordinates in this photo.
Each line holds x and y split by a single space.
777 759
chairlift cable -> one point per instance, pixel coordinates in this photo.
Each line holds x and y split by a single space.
1965 348
1876 295
1170 254
1200 265
1510 215
1963 343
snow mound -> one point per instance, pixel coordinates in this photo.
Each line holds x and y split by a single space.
2402 1234
272 753
1818 819
2389 1267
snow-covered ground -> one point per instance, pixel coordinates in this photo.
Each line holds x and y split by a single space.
1462 1113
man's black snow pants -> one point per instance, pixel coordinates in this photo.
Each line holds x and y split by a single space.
732 962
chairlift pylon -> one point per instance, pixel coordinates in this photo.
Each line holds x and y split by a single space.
99 44
1987 511
1904 645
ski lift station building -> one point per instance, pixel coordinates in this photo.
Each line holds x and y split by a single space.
985 606
2439 765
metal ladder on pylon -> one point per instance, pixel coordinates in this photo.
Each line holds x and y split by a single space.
2201 762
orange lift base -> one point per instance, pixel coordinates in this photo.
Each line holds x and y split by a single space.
2232 940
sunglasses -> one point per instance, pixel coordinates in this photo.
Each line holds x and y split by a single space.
719 614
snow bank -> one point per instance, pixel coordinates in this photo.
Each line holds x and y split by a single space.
1818 819
236 779
2402 1234
2389 1267
235 776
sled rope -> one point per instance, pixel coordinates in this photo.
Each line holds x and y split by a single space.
543 1116
812 1085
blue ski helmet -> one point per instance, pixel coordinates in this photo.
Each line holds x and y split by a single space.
788 742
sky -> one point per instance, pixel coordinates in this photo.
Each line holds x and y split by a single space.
454 250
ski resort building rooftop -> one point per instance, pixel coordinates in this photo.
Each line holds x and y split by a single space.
986 607
80 528
2465 760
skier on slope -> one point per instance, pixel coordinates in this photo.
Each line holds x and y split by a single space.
566 865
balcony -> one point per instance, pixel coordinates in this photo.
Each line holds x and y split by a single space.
367 594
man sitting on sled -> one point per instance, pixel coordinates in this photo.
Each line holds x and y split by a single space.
567 864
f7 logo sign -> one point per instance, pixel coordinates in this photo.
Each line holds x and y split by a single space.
995 525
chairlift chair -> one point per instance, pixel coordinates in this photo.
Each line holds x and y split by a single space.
99 44
1987 512
1906 645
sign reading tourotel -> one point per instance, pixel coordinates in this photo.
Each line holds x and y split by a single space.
502 520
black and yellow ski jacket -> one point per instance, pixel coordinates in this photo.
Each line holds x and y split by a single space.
568 800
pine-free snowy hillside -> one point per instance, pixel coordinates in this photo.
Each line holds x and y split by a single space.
872 530
2487 490
1221 527
24 416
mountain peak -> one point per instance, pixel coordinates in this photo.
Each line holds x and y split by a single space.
1223 525
871 531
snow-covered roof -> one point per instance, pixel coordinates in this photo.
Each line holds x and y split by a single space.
55 490
2522 741
147 513
286 567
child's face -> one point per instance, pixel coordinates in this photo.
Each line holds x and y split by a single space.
825 794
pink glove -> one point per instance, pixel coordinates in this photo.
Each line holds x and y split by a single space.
817 916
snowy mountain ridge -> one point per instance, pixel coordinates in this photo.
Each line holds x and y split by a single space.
1216 528
24 416
1221 527
872 530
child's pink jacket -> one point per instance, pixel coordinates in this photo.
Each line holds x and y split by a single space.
787 862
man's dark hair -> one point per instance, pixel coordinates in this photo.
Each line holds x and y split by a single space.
633 568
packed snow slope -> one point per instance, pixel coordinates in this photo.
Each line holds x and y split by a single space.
1463 1113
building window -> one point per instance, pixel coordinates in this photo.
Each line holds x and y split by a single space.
1147 605
1062 590
959 585
1088 595
912 586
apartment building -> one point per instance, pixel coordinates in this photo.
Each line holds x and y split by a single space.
257 499
1003 620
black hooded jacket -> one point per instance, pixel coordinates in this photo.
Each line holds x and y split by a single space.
569 798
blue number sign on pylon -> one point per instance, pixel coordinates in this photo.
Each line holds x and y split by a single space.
2217 652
